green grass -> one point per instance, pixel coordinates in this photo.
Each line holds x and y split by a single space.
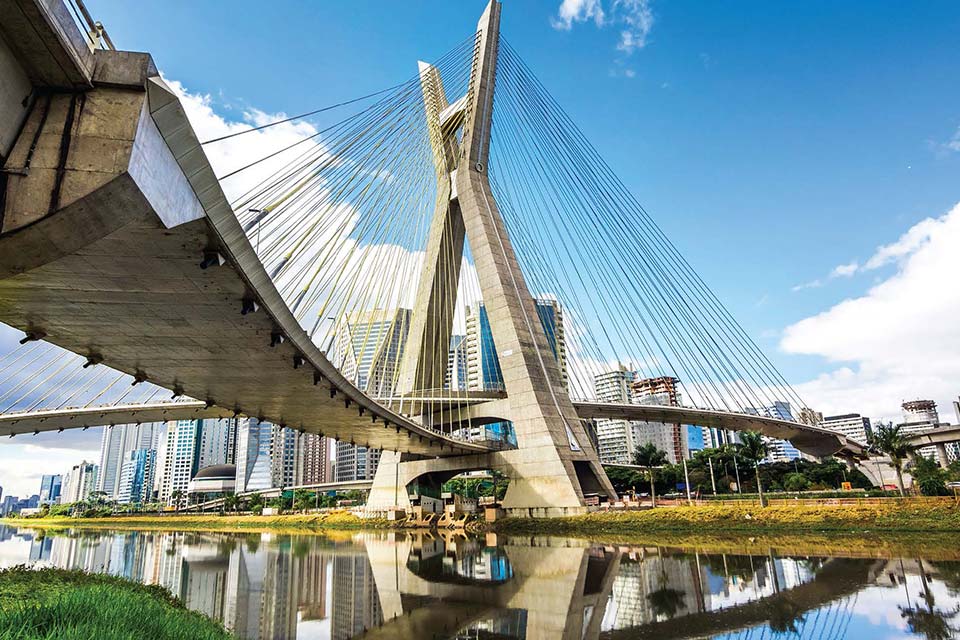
719 518
57 604
326 521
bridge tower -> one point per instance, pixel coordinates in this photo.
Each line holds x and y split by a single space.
554 465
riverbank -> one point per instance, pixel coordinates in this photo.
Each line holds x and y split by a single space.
332 521
718 519
70 605
892 517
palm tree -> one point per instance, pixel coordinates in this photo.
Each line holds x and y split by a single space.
890 440
176 497
650 456
754 449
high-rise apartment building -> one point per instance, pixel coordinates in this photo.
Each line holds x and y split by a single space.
616 439
50 487
368 349
136 476
920 415
116 442
254 455
314 465
852 425
483 364
180 455
777 450
456 376
667 436
80 482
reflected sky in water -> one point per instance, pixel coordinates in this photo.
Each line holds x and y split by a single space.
421 585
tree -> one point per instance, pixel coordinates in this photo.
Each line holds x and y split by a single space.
303 499
230 501
795 482
928 475
255 502
176 497
890 440
754 449
650 456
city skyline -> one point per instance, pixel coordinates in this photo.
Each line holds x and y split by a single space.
909 243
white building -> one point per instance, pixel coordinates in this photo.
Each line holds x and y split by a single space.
180 457
136 476
117 441
851 425
368 348
80 482
616 439
777 450
254 455
456 376
920 415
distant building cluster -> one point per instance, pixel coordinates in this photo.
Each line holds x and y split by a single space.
170 462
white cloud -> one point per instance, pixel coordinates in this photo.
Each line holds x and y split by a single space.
571 11
844 270
898 341
813 284
953 144
638 18
633 17
24 465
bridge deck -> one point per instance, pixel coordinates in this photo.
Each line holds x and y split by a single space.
116 273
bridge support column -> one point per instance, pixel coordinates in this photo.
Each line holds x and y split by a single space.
942 457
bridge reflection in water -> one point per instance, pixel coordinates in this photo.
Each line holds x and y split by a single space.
421 585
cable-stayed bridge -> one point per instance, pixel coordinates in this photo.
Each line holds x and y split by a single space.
322 284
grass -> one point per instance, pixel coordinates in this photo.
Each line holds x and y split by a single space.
895 517
331 520
48 604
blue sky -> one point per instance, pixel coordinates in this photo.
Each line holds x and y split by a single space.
772 142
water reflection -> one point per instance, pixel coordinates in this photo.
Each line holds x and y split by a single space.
403 585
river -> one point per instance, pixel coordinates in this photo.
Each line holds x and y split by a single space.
420 585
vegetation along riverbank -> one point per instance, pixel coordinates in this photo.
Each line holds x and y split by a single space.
895 515
73 605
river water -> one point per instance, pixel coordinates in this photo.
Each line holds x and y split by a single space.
430 586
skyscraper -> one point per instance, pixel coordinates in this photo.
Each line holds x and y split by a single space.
483 364
667 436
136 476
217 442
368 349
920 415
369 346
117 441
254 455
852 425
80 483
616 439
313 459
777 450
181 457
50 489
283 457
456 376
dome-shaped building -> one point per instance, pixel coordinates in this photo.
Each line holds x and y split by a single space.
215 479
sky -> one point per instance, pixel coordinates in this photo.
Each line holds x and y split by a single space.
803 157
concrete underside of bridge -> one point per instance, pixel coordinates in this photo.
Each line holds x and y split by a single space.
108 208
